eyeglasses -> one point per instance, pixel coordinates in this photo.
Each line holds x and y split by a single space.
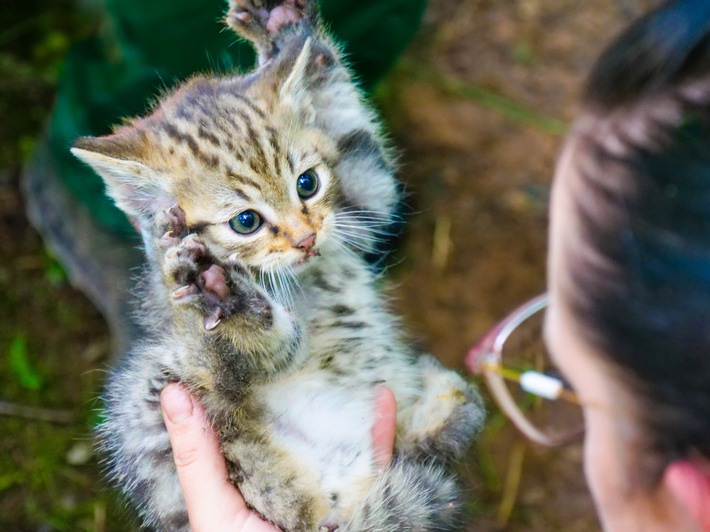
517 341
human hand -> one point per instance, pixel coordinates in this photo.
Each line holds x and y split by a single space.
213 503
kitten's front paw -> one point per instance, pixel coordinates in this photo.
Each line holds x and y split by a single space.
260 20
219 291
191 277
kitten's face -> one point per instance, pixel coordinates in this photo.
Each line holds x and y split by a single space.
252 176
273 205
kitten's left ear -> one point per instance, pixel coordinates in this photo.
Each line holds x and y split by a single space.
134 186
298 88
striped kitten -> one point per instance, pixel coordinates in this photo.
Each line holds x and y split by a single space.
258 297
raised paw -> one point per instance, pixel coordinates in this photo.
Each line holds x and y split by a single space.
261 21
192 276
219 291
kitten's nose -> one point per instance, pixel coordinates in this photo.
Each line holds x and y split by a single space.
307 243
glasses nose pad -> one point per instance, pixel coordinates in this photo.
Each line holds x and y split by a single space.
478 357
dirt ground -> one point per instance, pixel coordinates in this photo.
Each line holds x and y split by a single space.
478 107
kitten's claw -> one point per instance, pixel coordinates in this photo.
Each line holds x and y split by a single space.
176 217
184 291
243 16
169 240
213 319
172 253
172 221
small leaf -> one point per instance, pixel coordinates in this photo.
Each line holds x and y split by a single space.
21 367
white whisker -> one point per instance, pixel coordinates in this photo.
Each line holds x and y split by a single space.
361 235
272 283
382 214
343 245
285 289
381 219
356 241
294 280
364 228
360 221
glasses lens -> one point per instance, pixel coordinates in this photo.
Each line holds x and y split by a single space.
524 350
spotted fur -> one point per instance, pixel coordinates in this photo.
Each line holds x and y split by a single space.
287 363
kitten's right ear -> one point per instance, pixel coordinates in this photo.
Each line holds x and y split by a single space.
132 184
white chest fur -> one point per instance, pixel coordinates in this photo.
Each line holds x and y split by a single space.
326 431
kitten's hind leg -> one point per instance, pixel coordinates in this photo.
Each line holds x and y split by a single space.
443 421
262 21
410 496
272 482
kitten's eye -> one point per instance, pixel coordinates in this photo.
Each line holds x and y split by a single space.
246 222
307 184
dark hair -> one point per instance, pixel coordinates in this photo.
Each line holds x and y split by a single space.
639 272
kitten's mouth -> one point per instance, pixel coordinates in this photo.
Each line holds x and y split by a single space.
313 252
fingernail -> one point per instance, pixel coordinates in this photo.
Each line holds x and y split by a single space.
380 391
176 403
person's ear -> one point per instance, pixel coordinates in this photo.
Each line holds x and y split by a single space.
690 484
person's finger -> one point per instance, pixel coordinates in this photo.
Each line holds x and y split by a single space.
212 502
384 428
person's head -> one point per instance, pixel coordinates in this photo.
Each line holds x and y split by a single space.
629 271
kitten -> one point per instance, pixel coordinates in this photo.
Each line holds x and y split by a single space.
258 297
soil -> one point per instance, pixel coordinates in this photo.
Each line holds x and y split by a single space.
478 107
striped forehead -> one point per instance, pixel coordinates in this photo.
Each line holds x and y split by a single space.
231 134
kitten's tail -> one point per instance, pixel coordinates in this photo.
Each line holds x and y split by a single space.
410 497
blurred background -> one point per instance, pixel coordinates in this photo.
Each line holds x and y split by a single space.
478 105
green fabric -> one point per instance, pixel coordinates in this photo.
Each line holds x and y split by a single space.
150 45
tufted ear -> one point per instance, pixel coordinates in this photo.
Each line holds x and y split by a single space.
296 90
134 186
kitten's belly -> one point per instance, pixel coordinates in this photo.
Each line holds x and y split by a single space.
326 431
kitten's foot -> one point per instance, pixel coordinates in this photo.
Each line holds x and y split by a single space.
220 291
447 416
261 21
453 436
410 496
